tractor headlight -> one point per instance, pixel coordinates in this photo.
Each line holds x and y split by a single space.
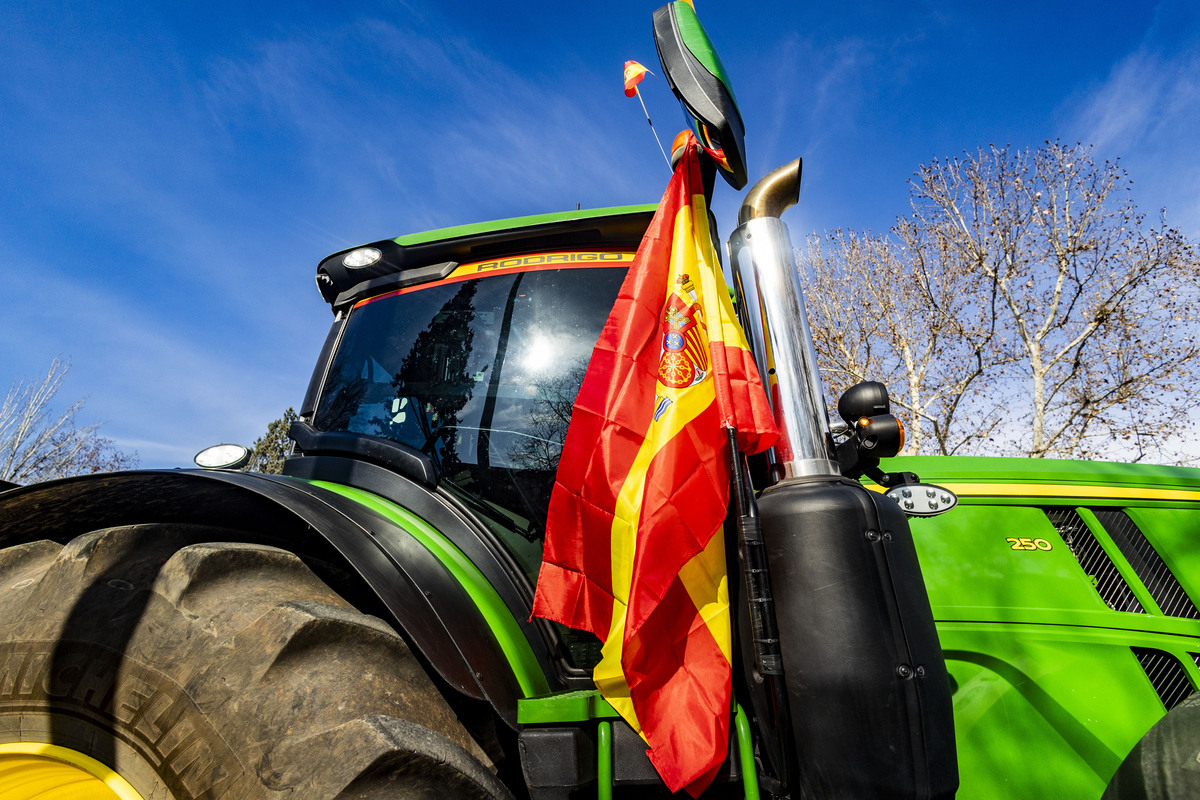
222 456
361 257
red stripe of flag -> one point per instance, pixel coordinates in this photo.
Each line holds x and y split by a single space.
685 679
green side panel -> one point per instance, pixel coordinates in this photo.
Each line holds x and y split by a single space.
1047 689
501 622
976 569
459 231
972 572
1042 709
954 469
697 41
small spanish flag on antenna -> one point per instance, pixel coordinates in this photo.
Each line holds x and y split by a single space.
634 73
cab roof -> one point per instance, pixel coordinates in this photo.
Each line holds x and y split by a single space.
422 257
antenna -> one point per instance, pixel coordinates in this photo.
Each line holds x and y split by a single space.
634 73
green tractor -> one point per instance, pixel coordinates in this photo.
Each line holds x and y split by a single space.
361 625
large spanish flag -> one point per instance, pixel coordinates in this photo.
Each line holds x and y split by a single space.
634 547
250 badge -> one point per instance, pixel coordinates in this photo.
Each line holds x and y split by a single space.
1029 544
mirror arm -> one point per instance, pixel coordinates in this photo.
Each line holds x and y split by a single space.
890 479
708 174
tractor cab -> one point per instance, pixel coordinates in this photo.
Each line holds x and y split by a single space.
463 373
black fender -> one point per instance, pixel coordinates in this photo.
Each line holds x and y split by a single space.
372 562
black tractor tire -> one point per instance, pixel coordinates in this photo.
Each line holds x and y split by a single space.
1165 764
196 668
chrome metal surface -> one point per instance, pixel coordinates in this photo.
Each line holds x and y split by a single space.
775 192
777 326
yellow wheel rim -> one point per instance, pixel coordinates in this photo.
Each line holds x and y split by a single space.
36 771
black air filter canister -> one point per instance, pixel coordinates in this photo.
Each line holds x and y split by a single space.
866 682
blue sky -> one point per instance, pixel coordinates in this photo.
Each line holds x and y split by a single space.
172 173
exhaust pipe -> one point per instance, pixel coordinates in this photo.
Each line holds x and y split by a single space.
775 193
776 325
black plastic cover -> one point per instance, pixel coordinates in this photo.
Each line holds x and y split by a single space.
556 762
618 231
390 282
559 761
403 459
867 686
703 95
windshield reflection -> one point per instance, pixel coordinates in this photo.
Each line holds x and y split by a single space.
481 375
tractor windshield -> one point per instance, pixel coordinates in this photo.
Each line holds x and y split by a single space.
480 373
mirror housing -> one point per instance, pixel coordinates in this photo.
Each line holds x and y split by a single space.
698 78
866 399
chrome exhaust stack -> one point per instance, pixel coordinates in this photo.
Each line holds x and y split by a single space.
776 324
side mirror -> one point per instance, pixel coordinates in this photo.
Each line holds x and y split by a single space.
698 78
874 433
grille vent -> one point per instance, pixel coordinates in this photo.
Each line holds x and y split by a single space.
1166 674
1147 563
1095 562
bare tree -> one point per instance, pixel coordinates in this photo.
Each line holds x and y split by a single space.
883 310
35 445
549 418
1032 281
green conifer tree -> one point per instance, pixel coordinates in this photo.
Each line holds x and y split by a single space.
272 448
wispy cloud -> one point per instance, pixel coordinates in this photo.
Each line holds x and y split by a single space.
172 181
1147 113
163 389
181 211
432 121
